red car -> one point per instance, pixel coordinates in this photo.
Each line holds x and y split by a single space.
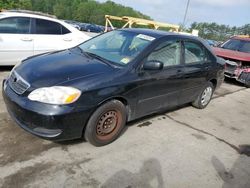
236 52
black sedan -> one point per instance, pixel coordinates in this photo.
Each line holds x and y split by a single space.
93 89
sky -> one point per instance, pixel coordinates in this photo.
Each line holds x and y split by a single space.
228 12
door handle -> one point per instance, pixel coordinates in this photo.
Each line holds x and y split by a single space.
27 39
67 39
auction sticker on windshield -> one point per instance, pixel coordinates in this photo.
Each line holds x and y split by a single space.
145 37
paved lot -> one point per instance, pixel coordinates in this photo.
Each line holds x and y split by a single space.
185 147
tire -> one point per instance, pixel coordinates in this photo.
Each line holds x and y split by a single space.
106 123
202 101
247 84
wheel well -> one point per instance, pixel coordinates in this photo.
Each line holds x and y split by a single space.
122 100
214 82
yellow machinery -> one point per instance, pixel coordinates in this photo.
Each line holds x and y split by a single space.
129 21
243 36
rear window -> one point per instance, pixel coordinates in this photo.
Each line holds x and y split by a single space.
194 53
46 27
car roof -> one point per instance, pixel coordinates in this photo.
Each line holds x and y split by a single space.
30 15
7 14
159 33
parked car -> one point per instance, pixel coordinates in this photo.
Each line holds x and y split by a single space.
236 52
93 89
26 34
75 24
91 28
213 43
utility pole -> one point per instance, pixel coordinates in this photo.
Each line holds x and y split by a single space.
185 16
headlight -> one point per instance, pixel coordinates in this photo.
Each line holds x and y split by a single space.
55 95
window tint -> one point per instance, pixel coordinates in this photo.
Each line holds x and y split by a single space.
194 53
168 53
65 30
17 25
50 28
245 47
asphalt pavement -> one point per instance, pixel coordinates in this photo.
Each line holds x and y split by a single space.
184 147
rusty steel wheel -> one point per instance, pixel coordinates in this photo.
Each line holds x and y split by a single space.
106 123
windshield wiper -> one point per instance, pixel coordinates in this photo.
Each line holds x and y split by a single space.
98 57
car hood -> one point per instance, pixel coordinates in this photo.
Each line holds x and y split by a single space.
58 68
231 54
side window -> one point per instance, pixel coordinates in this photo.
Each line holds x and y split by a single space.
167 52
15 25
46 27
65 30
194 53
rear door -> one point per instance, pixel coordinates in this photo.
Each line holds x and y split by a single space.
196 70
16 42
160 89
51 36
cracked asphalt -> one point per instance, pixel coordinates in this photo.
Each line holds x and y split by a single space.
184 147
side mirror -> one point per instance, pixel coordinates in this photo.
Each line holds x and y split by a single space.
153 65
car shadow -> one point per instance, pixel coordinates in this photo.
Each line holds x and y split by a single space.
232 81
129 124
6 68
71 142
153 115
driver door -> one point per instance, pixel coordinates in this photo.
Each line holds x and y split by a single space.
160 89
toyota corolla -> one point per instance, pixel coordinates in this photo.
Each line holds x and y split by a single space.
93 89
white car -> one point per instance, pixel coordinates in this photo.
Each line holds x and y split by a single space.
25 34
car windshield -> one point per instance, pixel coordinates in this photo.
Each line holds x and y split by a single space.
237 45
118 47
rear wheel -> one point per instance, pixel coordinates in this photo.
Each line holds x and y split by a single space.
106 123
204 97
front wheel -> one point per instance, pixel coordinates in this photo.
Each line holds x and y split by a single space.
204 97
106 123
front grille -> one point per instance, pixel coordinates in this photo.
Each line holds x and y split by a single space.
17 83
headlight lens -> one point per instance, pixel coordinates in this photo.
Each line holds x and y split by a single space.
55 95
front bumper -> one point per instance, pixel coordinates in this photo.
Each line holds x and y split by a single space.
241 75
53 122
